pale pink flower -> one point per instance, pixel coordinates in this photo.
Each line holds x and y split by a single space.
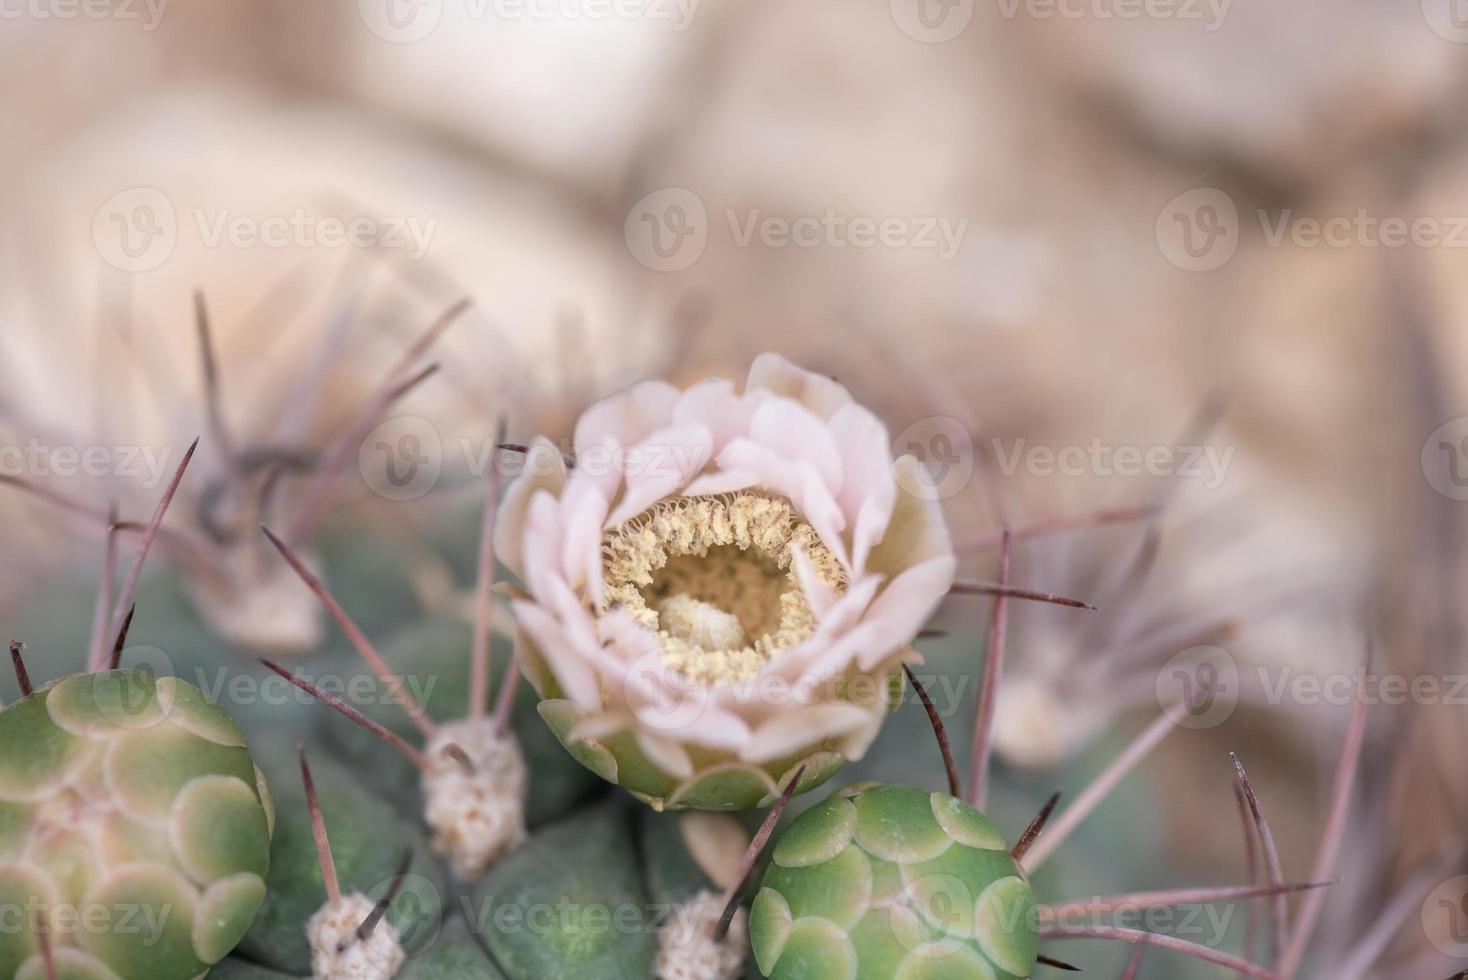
721 584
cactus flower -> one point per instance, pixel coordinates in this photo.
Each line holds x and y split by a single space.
721 584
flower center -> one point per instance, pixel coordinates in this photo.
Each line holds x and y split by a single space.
715 578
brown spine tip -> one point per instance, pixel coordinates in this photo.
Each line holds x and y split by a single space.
318 831
1004 590
116 659
135 571
1057 964
1279 923
941 733
369 924
354 634
332 701
751 856
18 662
1035 829
457 753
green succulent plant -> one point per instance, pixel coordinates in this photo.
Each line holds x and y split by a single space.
135 830
894 882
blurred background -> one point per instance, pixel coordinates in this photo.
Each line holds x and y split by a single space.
1205 256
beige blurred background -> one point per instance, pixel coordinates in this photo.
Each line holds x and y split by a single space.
1062 223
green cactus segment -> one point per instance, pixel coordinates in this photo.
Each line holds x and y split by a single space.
717 784
882 882
142 841
569 903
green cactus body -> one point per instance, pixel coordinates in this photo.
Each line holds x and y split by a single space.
893 883
133 822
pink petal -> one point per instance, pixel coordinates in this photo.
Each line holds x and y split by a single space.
599 726
818 594
666 754
906 604
721 481
791 731
850 607
713 728
660 466
626 417
797 434
916 531
557 650
869 491
713 403
583 510
795 480
544 469
816 392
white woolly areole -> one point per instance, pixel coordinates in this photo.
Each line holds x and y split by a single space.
337 953
477 818
686 947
